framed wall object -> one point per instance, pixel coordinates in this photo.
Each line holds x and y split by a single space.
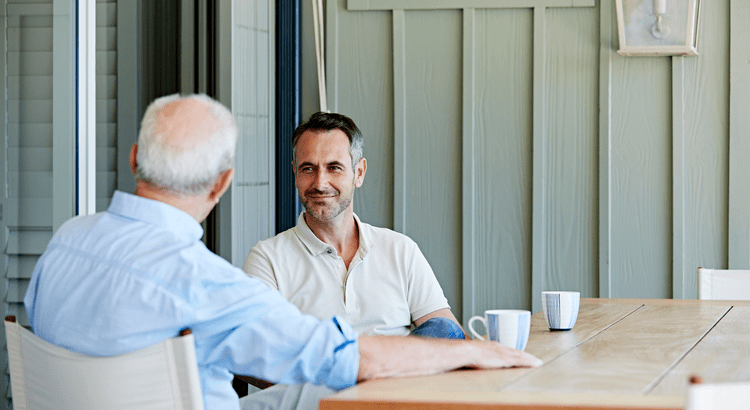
657 27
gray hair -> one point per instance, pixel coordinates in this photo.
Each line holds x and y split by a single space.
193 171
326 121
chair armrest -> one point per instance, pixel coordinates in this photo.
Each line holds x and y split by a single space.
259 383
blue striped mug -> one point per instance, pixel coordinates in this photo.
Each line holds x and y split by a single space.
560 309
509 327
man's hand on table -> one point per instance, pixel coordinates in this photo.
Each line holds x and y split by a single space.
493 355
397 356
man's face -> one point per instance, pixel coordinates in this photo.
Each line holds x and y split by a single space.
324 175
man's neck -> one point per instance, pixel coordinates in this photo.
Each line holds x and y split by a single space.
191 205
342 233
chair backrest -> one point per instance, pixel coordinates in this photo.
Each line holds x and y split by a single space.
723 284
45 376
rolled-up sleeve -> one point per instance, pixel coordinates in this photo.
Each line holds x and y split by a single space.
343 374
264 336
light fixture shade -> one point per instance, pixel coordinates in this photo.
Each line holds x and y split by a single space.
658 27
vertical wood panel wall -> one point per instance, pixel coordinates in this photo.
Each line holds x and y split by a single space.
106 103
522 153
38 158
739 143
246 85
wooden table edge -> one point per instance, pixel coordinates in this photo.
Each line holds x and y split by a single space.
509 401
625 301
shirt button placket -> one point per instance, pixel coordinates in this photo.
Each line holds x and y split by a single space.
350 298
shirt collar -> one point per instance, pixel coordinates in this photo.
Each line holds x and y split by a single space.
315 246
155 213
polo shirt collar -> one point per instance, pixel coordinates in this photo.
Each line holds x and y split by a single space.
315 246
155 213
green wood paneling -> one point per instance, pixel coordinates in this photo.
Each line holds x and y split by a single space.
739 143
706 150
570 114
432 155
371 52
580 168
503 108
641 175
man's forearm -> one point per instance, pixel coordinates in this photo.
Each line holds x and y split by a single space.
394 356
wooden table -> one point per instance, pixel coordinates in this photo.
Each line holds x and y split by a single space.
621 354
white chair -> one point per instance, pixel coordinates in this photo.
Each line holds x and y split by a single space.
723 284
717 396
45 376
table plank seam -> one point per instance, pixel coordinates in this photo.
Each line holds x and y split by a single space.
671 367
529 373
596 366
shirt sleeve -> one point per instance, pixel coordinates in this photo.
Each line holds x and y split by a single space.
258 265
264 336
424 292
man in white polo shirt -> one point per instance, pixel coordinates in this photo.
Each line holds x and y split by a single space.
332 263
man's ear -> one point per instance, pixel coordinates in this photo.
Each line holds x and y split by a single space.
133 158
221 185
359 172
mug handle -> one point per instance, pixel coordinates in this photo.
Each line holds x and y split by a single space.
471 328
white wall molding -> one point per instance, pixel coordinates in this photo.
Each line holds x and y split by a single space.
678 178
399 121
539 212
606 52
462 4
469 162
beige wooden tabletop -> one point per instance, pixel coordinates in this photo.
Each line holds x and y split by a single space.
621 354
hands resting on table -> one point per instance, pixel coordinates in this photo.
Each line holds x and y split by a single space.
398 356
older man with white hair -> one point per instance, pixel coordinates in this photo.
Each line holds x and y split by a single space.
132 276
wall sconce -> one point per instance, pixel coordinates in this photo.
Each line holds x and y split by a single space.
658 27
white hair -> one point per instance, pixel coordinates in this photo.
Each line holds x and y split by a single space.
193 171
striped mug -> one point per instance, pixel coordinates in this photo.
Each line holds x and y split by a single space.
560 309
509 327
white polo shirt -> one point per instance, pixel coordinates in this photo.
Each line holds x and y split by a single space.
388 284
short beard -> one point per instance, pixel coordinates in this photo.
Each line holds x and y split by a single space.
336 209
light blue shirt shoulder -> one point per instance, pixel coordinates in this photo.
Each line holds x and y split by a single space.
137 274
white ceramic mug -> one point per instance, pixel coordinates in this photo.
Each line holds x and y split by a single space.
509 327
560 309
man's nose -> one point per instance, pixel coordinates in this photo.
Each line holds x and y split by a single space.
321 179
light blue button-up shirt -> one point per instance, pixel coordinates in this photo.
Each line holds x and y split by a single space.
135 275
